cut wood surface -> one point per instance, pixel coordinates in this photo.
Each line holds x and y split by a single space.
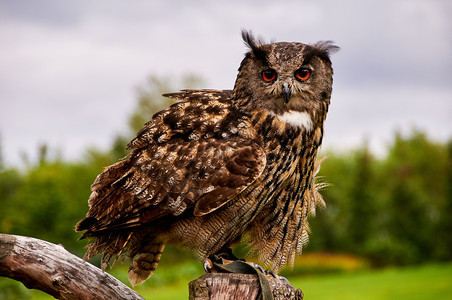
219 286
50 268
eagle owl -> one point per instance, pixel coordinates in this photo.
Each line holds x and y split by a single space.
221 164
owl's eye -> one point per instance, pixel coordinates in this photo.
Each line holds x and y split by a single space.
268 75
302 74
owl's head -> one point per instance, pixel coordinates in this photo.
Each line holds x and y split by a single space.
285 77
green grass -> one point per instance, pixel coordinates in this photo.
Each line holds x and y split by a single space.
414 283
432 281
173 291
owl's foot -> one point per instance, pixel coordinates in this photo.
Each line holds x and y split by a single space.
214 262
266 272
227 262
269 273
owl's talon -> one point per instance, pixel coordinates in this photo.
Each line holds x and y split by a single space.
271 273
256 266
264 271
208 265
282 278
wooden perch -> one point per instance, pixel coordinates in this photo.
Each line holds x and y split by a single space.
50 268
217 286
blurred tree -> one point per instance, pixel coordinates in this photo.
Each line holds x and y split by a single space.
413 176
444 232
51 198
118 148
362 201
2 159
396 209
150 99
10 182
43 151
330 226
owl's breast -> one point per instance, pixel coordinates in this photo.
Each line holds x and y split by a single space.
290 142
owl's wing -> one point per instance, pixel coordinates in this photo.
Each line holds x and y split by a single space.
171 171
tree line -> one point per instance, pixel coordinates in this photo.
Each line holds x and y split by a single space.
395 209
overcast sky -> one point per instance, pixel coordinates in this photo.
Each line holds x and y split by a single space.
69 69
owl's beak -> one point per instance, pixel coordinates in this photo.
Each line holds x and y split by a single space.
286 93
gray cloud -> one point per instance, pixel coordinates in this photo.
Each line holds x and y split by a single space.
68 69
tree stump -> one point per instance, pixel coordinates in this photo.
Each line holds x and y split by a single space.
221 286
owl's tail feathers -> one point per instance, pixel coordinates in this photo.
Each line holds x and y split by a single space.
144 265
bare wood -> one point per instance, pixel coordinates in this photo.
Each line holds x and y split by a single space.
50 268
216 286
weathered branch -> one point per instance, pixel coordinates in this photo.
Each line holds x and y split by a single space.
50 268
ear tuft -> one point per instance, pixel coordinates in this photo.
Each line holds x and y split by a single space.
254 44
250 40
323 49
327 46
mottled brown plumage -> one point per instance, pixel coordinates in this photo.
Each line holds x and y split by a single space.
219 165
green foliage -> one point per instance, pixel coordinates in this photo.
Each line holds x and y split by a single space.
388 209
443 233
13 290
47 201
10 182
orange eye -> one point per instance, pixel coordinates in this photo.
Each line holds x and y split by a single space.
302 74
268 75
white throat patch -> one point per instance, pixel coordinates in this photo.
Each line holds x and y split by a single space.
298 119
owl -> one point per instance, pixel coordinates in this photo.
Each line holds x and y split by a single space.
221 165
